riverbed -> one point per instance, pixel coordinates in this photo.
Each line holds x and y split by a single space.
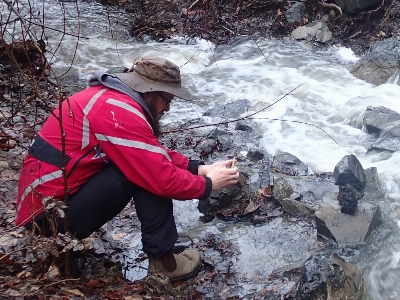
319 122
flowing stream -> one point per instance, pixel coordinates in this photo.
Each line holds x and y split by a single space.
326 95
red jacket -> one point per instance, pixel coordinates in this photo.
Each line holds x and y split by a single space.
101 125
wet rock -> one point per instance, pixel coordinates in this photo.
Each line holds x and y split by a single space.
255 155
243 127
309 190
217 133
316 32
297 13
352 6
288 164
385 124
208 147
282 189
330 277
350 171
381 121
257 176
295 207
391 145
380 64
348 198
373 190
344 229
219 200
72 83
229 110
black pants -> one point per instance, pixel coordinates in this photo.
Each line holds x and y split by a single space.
105 195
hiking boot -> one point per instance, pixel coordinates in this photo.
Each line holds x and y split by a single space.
187 264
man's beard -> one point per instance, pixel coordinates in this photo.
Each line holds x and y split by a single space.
155 125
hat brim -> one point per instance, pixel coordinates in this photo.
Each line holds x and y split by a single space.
142 85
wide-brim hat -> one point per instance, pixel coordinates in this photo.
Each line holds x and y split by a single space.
155 74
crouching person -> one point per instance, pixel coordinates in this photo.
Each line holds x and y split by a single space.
112 155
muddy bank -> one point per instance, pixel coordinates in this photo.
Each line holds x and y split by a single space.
225 21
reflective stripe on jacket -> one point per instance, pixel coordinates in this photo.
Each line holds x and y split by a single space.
101 125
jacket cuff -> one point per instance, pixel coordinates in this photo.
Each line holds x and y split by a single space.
193 166
208 188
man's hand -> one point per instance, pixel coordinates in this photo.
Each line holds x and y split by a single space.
221 176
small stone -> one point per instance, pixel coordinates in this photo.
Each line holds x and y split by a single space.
348 210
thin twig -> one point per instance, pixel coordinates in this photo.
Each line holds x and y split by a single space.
233 162
234 120
301 122
50 284
193 4
12 252
58 30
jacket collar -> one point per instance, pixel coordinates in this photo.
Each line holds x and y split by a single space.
112 81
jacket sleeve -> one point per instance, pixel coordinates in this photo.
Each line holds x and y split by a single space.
183 162
128 141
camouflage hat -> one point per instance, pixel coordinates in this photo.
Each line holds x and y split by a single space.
155 74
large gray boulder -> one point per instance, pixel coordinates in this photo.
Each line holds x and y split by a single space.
380 64
384 124
381 121
353 6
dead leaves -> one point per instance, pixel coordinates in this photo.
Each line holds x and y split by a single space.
266 191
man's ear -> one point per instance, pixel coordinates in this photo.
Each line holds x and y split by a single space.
148 97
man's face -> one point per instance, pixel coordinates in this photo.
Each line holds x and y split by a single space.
162 104
158 103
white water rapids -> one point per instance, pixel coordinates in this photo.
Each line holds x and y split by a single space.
326 95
